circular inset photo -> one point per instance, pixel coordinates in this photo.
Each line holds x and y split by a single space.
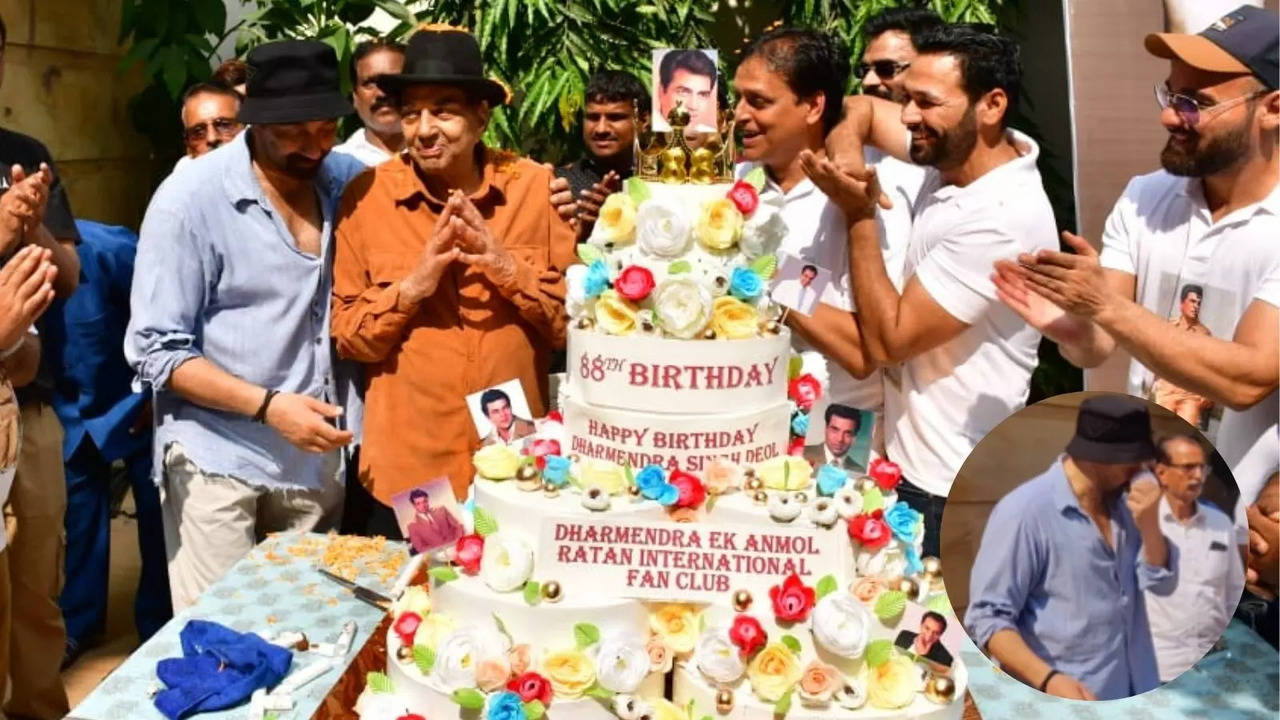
1088 546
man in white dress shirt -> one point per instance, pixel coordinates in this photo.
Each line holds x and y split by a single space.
1202 554
381 135
798 293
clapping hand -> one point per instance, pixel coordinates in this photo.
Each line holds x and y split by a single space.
591 199
1074 282
1015 289
479 248
22 206
441 250
26 289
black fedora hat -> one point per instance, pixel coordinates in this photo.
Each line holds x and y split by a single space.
445 55
292 81
1113 429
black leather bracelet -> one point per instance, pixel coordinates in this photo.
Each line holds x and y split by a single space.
1045 682
261 415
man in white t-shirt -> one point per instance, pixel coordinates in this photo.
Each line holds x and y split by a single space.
790 83
964 359
1211 218
381 135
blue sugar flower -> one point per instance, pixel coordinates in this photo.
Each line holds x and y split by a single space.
556 470
831 479
903 520
597 279
745 284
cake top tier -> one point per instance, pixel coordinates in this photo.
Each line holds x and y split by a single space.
680 261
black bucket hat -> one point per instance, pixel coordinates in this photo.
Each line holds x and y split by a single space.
1113 429
293 81
444 55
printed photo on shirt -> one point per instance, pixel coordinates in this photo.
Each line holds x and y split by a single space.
931 637
688 78
429 515
1096 531
843 438
501 413
1201 309
800 283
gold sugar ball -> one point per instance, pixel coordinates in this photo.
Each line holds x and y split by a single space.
932 566
761 497
404 653
865 485
741 600
753 483
939 689
709 334
550 490
551 591
801 497
909 586
773 327
646 326
585 323
528 471
749 472
724 701
575 458
633 490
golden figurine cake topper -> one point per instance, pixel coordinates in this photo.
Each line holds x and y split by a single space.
699 158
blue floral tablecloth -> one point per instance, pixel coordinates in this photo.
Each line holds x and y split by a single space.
273 588
1239 682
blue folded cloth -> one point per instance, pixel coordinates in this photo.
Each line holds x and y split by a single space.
219 668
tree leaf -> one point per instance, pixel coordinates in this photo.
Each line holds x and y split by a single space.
783 706
379 683
792 643
678 267
532 592
485 523
395 9
589 253
765 266
534 710
173 68
211 14
825 586
586 635
890 604
637 189
468 698
425 658
443 574
878 652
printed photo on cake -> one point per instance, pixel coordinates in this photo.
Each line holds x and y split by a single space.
429 515
501 413
930 636
800 283
688 78
845 438
1088 546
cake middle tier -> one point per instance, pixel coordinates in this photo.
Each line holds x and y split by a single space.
677 442
669 376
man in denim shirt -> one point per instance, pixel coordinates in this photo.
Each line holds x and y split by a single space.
230 318
1055 591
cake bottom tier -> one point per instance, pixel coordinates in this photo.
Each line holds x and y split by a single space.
689 684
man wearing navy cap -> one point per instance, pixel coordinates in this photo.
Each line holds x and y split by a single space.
1210 218
230 324
1055 590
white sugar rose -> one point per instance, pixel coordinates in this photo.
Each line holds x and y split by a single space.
576 303
662 229
763 233
630 707
507 562
717 657
783 508
848 502
460 652
621 663
841 624
683 307
812 363
887 562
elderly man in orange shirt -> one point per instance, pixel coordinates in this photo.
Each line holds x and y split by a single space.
448 276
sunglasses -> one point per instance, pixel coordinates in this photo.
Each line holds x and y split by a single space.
225 128
1189 109
885 69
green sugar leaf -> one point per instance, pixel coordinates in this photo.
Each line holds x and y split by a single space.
637 189
534 710
379 683
940 604
678 267
765 266
756 178
468 698
792 643
532 592
878 652
589 253
826 586
424 657
599 693
783 706
486 524
586 635
890 604
443 574
872 500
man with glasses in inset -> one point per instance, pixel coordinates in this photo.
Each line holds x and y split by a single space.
1210 217
1203 556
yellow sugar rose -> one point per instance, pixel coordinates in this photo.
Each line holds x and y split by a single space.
789 472
664 709
615 314
733 319
415 600
570 672
894 684
773 671
608 476
677 625
496 462
616 221
720 224
433 629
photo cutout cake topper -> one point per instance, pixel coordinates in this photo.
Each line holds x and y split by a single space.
842 438
932 638
501 413
429 515
688 77
800 283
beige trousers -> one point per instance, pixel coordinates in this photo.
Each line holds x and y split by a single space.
211 521
37 639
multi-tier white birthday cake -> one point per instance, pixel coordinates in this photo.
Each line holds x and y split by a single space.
656 551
